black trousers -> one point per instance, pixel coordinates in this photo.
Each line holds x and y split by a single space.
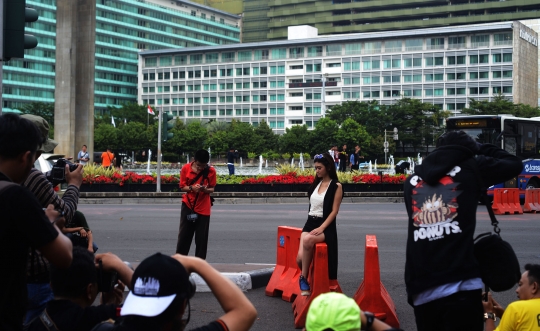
187 229
461 311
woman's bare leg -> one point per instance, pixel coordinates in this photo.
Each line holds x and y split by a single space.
307 245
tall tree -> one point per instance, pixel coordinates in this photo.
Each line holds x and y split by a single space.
324 135
351 133
370 114
500 105
105 137
266 140
296 139
42 109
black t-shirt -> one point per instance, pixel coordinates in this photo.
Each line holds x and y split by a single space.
23 225
67 315
131 325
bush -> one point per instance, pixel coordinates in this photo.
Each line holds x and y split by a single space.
286 156
251 155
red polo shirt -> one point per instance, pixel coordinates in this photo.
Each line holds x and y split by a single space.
203 201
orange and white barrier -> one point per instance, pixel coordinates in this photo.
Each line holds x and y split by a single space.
371 294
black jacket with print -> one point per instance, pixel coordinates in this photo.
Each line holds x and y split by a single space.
441 199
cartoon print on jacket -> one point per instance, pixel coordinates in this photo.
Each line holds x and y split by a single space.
434 208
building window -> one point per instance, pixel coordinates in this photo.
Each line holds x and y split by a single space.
212 57
261 55
180 60
296 94
279 53
332 50
195 58
456 42
314 51
414 44
193 13
244 56
150 62
480 41
393 46
434 61
435 43
296 108
507 89
313 67
296 52
296 67
502 39
227 57
372 47
353 49
203 15
333 65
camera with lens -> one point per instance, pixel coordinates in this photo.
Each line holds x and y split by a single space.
106 280
192 287
57 175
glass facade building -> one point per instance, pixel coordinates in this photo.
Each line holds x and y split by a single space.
269 19
123 28
280 82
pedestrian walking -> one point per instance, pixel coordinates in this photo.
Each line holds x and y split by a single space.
325 195
343 159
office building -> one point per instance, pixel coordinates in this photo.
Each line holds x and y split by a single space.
123 28
280 82
353 16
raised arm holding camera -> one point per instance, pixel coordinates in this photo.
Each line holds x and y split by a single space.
42 186
162 288
76 288
24 222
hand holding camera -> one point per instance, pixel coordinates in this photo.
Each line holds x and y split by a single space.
55 216
110 268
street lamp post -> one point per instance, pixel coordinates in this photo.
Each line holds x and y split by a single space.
323 96
395 136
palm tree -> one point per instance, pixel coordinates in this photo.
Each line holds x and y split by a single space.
215 126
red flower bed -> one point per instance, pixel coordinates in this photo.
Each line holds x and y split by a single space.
376 179
129 178
290 178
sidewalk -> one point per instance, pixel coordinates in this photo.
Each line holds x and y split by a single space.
130 198
248 276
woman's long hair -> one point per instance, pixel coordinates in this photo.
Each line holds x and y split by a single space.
328 162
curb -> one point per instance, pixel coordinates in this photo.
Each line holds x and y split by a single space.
248 280
228 198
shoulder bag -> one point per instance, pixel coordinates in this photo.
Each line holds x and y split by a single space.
499 265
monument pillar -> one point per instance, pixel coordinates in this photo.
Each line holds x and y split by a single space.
75 66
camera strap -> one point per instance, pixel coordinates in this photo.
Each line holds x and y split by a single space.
47 321
204 174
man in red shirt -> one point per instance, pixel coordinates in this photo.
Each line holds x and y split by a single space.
198 180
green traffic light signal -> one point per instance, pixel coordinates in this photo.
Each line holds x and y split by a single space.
16 14
165 126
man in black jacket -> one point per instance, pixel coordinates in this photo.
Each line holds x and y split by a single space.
441 274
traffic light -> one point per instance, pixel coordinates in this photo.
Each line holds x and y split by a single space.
15 41
165 126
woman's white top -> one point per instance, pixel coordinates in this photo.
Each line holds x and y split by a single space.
317 201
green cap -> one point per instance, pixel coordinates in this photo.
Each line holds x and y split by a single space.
334 311
49 144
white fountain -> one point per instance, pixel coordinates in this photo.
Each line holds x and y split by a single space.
370 168
260 164
292 162
209 156
419 159
266 163
301 162
187 158
148 165
392 169
375 166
